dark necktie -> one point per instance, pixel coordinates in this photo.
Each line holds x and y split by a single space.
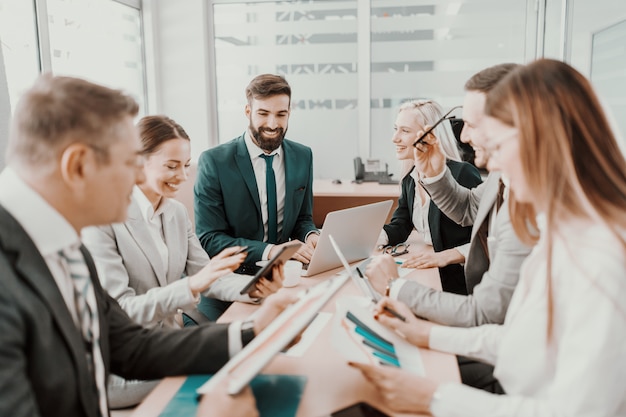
87 313
500 197
483 230
270 188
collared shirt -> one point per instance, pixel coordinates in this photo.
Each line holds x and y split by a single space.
154 222
48 229
259 166
420 211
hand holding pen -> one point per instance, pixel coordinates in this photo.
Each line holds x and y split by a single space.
414 330
376 296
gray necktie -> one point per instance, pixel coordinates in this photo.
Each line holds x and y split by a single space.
88 323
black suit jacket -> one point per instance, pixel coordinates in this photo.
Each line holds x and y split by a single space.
43 369
444 232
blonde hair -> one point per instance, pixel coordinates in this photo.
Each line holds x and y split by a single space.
428 112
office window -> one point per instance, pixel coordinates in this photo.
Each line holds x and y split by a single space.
428 49
416 48
19 45
99 40
313 44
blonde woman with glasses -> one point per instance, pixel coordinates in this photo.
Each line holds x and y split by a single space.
415 209
560 350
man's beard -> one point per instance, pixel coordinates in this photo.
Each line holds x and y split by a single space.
268 144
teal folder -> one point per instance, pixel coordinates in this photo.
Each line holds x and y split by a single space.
276 395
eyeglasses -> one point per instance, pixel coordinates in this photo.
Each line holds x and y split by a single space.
421 140
396 250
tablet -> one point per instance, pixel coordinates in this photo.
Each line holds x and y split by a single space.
245 365
283 255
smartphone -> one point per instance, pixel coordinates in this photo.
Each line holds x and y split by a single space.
359 410
285 253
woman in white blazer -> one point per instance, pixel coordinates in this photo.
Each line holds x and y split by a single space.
153 264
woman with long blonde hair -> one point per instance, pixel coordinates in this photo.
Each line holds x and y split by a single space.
415 210
560 351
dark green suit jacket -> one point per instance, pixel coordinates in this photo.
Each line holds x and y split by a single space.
226 198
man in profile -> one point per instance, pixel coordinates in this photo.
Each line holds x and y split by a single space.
73 159
495 254
257 189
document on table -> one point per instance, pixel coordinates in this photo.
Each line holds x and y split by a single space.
360 338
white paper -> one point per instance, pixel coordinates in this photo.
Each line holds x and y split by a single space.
352 348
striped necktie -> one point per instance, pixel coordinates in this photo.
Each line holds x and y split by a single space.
270 187
88 323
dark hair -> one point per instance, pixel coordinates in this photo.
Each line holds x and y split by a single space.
267 85
155 130
58 110
483 81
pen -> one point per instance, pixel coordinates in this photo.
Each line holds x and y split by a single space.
386 308
394 313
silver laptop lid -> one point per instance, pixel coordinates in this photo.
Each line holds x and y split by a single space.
355 230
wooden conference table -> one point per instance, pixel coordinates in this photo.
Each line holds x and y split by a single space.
328 196
331 383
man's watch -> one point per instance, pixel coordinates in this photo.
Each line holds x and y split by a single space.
247 332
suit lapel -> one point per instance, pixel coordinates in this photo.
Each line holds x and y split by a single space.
487 201
291 182
242 158
32 268
136 226
173 234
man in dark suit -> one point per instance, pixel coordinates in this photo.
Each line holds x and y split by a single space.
73 158
236 200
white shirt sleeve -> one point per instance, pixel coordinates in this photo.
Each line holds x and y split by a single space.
476 342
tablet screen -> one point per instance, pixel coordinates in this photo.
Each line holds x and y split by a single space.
285 253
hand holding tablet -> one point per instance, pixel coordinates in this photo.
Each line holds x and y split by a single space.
285 253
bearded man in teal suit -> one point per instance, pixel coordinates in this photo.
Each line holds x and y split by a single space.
256 190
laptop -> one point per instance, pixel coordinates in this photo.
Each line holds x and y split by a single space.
355 230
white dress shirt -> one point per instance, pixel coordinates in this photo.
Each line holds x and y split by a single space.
258 164
154 221
581 371
48 229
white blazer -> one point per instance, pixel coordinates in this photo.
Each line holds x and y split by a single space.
131 271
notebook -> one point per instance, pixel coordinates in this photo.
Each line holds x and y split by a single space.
355 230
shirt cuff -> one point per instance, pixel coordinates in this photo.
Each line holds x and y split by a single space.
190 297
266 252
430 180
463 250
383 239
317 232
235 344
396 287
